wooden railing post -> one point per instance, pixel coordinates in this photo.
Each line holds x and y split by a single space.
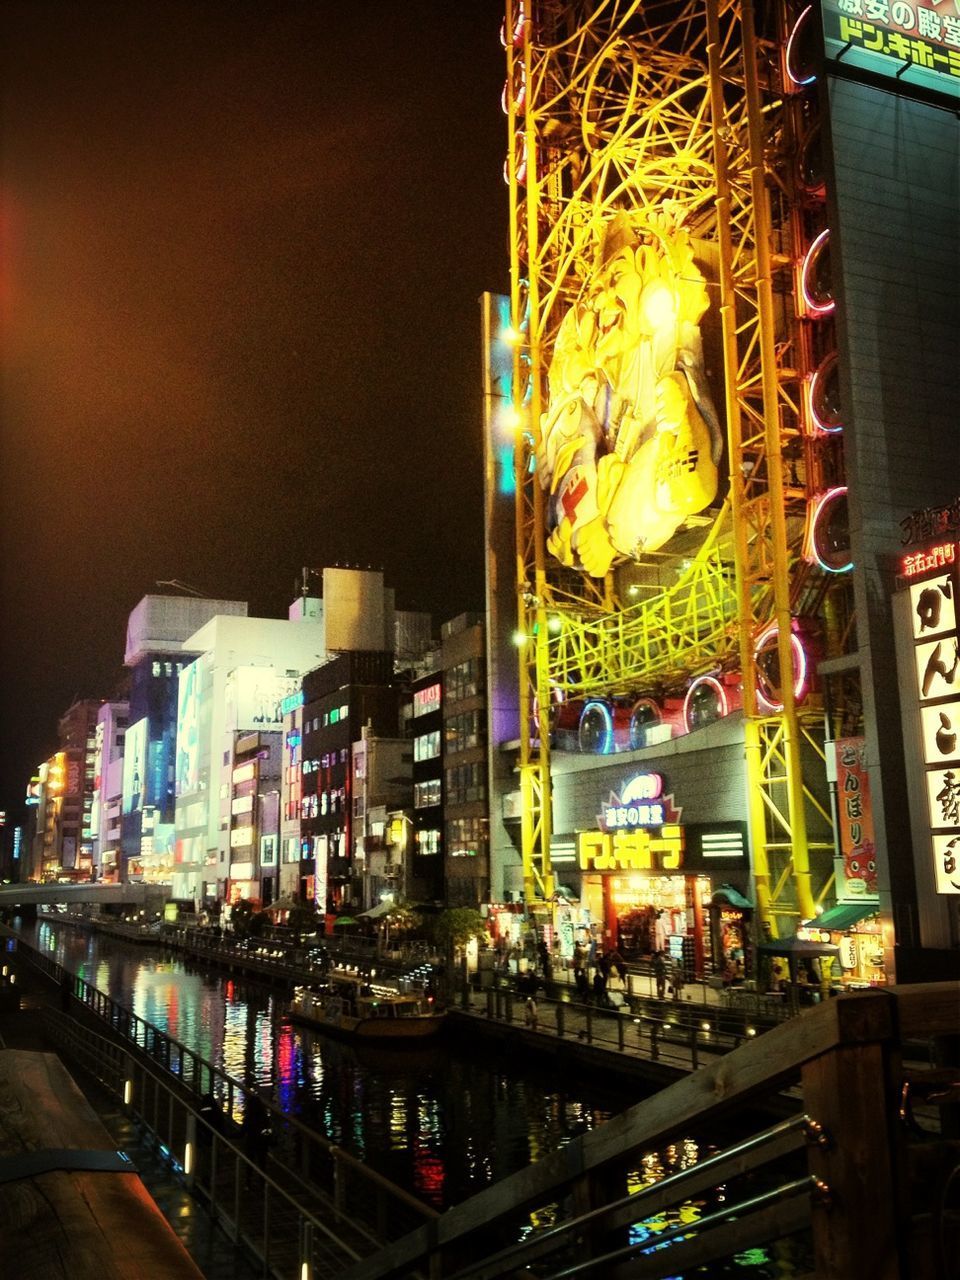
851 1092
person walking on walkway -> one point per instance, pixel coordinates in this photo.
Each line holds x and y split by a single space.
530 1015
677 979
255 1131
660 974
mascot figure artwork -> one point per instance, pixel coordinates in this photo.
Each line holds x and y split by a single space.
630 441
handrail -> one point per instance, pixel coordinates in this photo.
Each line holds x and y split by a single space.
851 1042
204 1076
786 1136
97 1055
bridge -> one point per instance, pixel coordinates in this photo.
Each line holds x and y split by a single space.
45 895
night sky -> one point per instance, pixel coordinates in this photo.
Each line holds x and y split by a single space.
243 246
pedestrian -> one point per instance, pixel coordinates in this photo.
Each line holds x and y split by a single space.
211 1125
583 983
677 979
599 988
660 974
255 1132
530 1015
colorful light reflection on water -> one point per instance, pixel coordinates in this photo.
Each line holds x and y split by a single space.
441 1122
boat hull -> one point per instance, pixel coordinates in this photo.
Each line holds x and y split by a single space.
391 1031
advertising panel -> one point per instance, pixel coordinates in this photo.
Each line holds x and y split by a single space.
258 695
135 766
188 730
855 823
915 45
935 642
630 441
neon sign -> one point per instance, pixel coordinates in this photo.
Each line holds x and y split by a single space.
637 850
641 803
938 557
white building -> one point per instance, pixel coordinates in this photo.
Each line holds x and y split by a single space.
105 828
249 670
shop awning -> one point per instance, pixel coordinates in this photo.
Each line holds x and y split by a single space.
379 910
733 897
845 914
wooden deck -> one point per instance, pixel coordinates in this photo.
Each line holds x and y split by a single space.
85 1223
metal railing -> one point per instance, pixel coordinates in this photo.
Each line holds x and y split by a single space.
377 1207
690 1176
684 1034
290 1233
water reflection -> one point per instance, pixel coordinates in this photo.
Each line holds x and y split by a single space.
436 1120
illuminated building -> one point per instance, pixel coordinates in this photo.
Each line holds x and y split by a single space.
105 824
381 787
353 692
447 719
154 656
254 816
715 396
246 667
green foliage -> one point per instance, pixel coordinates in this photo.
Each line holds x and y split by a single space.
404 918
247 922
456 926
302 921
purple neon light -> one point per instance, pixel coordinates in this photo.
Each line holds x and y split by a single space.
814 307
798 661
801 82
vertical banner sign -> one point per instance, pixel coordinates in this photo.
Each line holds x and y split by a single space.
936 651
855 822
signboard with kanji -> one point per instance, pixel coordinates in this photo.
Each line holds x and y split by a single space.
935 774
916 45
855 822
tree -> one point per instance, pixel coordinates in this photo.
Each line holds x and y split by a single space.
454 928
302 921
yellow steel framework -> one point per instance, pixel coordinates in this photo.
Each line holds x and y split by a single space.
622 107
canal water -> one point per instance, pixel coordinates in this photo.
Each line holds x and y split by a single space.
442 1121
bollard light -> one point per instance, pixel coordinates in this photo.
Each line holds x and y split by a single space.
751 1031
127 1092
188 1158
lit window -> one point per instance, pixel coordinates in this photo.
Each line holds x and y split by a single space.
426 700
427 746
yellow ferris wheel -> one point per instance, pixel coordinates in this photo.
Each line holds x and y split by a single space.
664 473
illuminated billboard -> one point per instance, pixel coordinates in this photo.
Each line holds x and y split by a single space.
933 644
135 766
188 730
257 695
630 442
914 45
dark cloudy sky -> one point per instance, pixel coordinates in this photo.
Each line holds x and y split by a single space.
243 245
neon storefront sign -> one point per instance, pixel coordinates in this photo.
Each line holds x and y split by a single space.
641 803
637 850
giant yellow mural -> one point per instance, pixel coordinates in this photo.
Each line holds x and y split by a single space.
630 442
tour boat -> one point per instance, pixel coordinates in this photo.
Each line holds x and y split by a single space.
354 1006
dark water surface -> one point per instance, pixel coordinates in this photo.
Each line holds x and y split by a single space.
443 1121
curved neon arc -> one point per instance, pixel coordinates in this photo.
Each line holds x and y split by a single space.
822 502
800 83
714 684
820 373
815 308
798 659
